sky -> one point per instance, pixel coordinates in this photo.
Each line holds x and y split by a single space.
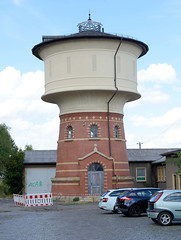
154 120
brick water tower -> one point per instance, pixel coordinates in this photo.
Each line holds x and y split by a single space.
90 75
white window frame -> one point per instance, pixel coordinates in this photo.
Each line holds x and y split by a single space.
143 178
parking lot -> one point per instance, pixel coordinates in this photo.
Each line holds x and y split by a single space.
74 222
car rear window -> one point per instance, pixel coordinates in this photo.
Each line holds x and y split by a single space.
144 193
105 193
118 192
155 196
173 197
132 194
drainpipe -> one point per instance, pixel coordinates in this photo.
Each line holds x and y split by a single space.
115 85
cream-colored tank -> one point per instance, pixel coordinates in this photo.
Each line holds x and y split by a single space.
80 71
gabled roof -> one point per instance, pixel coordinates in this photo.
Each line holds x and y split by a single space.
95 151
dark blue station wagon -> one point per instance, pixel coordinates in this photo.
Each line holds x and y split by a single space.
134 202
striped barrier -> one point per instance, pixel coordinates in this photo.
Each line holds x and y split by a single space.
19 200
39 199
33 200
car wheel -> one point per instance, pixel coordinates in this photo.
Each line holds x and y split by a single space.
165 218
154 220
134 211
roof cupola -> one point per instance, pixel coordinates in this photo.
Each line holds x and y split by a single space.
89 25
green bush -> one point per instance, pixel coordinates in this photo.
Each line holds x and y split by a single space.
4 190
76 199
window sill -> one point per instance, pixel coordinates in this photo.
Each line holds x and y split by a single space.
68 140
94 139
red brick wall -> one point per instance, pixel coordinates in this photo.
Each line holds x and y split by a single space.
75 155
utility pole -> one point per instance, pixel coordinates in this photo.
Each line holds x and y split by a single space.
139 143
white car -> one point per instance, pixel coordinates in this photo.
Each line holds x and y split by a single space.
108 199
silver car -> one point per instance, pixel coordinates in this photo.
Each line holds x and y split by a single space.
165 206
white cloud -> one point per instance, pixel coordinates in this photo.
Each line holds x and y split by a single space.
168 138
40 136
21 94
156 132
9 77
169 118
11 107
31 85
173 136
152 83
150 96
31 120
158 73
176 89
21 86
162 131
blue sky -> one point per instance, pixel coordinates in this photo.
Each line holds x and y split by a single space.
154 120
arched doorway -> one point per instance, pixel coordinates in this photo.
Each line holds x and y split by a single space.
95 179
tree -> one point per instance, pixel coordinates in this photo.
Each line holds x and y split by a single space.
175 159
11 163
7 146
28 147
13 174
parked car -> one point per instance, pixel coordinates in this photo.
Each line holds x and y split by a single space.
134 202
165 206
108 199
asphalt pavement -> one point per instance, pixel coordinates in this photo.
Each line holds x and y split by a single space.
77 222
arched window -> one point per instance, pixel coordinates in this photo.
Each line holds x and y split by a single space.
93 131
95 167
116 132
70 132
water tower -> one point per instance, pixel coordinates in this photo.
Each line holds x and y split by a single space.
90 75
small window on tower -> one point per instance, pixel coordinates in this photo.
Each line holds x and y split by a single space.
116 132
93 131
70 132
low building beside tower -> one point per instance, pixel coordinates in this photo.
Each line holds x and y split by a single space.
148 168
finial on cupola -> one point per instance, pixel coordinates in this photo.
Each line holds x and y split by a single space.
89 15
